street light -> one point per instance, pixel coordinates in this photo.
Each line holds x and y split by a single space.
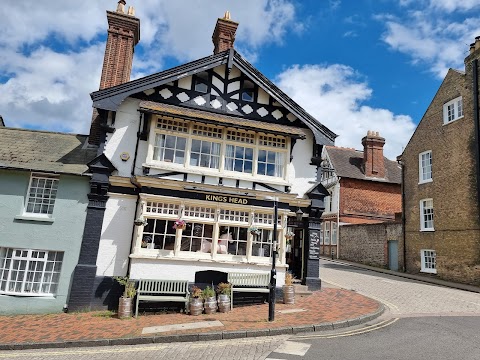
273 272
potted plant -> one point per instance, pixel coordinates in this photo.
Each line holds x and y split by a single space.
125 303
224 291
255 231
210 301
289 235
196 303
179 224
288 289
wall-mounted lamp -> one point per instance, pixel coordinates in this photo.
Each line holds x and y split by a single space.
299 214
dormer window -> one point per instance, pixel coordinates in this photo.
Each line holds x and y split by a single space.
201 81
247 92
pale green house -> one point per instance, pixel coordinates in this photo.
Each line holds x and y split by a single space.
43 201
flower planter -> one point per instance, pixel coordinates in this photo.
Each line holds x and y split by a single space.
210 305
288 294
223 303
196 306
125 307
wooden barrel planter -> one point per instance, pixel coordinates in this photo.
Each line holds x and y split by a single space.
125 307
196 306
288 294
223 303
210 305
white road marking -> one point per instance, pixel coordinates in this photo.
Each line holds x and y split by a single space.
293 348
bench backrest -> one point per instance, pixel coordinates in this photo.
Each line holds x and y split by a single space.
249 279
151 286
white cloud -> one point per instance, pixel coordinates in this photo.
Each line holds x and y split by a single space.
454 5
51 51
436 41
334 95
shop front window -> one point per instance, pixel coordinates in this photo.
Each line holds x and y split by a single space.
197 237
262 244
159 234
233 240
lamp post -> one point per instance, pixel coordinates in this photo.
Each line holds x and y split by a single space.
273 272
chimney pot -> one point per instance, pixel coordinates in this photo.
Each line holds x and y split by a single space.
472 48
121 6
131 11
477 43
227 15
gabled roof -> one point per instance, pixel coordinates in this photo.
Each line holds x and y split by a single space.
111 98
44 151
348 164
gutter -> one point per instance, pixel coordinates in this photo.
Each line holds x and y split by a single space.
402 165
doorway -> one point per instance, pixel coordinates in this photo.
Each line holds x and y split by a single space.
393 255
295 256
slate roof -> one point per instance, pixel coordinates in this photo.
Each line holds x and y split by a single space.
44 151
348 164
214 118
111 98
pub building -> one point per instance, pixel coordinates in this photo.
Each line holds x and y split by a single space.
191 163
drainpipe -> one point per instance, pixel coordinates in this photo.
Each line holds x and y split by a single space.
477 125
338 217
134 183
402 166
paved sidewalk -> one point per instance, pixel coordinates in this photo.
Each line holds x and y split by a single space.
326 309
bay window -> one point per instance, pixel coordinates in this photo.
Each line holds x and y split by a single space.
211 231
187 144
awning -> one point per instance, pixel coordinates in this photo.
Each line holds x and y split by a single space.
219 119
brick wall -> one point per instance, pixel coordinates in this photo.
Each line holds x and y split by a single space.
368 201
456 239
368 243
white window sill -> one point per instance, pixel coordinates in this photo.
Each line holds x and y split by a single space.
427 230
451 121
429 271
425 181
219 260
44 296
32 217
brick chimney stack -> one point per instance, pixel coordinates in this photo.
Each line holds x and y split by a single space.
123 35
224 34
373 160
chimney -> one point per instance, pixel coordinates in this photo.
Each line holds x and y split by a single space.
224 34
123 35
373 160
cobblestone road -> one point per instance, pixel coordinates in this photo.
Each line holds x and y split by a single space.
404 297
239 349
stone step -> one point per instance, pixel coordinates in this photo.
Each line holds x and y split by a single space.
301 290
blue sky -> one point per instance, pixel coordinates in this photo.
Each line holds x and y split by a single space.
356 65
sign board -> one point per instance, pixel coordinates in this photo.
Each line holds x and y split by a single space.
314 245
226 199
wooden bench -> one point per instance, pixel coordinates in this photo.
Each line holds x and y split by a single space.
162 290
248 282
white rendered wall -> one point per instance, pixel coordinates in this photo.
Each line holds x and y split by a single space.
124 138
116 238
301 174
185 270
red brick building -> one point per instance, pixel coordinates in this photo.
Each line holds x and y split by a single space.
364 187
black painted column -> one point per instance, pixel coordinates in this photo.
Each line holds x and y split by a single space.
82 287
312 259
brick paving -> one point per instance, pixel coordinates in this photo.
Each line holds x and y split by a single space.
326 305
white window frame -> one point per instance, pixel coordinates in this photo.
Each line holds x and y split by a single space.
257 142
48 277
53 189
333 234
425 169
424 215
453 110
219 216
428 259
327 233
